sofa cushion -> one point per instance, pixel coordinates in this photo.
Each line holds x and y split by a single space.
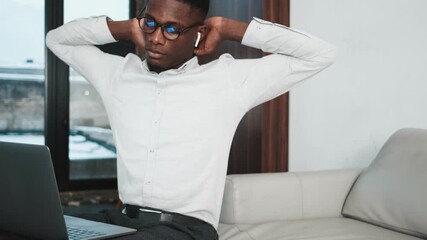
391 192
263 197
310 229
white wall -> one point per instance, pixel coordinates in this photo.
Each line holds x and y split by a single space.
378 84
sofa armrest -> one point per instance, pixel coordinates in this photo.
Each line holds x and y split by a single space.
265 197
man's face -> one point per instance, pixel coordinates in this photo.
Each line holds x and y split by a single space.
163 54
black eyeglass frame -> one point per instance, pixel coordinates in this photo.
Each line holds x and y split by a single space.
162 26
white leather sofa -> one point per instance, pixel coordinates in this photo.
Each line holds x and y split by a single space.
386 201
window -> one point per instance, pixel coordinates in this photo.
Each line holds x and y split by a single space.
22 71
91 148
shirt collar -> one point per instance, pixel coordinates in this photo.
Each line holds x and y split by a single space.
190 64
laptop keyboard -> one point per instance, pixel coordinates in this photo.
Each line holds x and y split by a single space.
82 233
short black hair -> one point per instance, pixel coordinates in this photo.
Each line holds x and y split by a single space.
201 5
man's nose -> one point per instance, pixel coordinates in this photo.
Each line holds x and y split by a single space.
157 37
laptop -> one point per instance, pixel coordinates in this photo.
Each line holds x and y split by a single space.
29 200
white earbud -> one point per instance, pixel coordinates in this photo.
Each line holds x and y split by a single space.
199 35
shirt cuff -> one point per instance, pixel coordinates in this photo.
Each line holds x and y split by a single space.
259 30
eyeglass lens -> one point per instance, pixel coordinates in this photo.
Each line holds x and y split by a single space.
169 31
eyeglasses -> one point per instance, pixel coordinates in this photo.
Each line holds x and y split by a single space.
170 31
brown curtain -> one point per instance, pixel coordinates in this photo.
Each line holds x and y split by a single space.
275 121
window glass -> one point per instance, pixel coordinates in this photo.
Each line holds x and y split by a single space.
22 71
92 151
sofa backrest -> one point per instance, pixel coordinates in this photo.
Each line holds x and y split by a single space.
392 191
265 197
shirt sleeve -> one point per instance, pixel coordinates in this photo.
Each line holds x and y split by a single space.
295 57
74 44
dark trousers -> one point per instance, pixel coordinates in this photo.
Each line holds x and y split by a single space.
156 231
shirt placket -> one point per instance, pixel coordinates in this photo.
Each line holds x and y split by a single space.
153 144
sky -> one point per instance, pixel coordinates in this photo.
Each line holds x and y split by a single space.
22 25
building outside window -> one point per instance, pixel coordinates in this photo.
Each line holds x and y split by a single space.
22 71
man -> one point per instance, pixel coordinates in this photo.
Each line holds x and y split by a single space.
173 120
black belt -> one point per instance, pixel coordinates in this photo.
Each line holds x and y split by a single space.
152 216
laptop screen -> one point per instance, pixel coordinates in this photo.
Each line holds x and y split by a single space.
30 204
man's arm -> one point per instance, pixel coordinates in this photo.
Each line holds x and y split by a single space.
74 43
296 56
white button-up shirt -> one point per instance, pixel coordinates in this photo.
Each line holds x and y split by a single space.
173 130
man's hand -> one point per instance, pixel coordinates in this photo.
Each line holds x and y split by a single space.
128 30
219 29
137 35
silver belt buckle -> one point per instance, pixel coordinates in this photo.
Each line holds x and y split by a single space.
150 211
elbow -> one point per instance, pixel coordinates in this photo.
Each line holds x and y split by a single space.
49 40
329 55
323 58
